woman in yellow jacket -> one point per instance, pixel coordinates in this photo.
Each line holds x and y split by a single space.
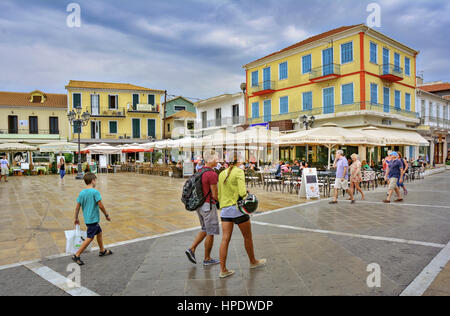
231 188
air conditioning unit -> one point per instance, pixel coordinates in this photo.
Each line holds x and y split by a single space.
120 137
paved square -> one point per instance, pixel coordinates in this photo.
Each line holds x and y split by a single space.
35 211
312 249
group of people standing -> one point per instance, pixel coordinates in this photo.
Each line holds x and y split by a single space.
223 192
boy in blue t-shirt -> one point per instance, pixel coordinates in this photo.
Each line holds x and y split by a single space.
91 201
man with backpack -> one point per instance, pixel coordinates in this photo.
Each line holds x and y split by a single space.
204 203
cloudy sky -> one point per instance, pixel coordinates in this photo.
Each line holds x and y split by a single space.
194 48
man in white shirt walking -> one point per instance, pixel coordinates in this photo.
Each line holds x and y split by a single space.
5 168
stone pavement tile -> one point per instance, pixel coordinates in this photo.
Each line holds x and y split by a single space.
170 288
194 287
441 284
238 291
20 281
140 288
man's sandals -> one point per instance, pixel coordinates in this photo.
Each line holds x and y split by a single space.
104 253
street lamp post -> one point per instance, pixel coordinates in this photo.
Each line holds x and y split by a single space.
76 119
307 122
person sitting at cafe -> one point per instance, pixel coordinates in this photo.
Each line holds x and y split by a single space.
365 166
296 168
285 168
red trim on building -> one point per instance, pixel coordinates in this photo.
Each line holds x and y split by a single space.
362 79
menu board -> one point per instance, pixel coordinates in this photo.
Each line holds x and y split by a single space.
188 169
310 184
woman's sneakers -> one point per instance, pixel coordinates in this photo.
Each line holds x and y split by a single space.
226 274
260 263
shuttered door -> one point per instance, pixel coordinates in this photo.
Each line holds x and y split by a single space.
267 110
386 100
385 61
328 100
327 61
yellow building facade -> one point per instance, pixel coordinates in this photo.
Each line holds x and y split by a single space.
120 112
352 76
268 80
33 118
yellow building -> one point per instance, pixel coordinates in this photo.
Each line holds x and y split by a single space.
352 76
120 112
33 118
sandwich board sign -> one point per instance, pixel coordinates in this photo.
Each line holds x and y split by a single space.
188 169
310 184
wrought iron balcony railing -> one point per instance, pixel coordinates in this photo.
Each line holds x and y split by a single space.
325 72
391 72
264 87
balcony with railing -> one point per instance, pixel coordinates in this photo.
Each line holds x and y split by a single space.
391 72
222 122
325 72
336 109
265 87
27 133
107 112
143 108
435 122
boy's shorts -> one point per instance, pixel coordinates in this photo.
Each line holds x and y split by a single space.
5 171
209 220
93 230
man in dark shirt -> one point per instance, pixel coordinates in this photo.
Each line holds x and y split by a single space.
394 173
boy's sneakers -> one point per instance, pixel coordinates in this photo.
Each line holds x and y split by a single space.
191 256
211 262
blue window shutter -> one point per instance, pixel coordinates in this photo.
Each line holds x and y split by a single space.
373 52
255 109
307 101
386 99
407 102
396 62
255 79
347 94
347 52
373 93
306 64
328 100
407 66
283 71
397 100
284 105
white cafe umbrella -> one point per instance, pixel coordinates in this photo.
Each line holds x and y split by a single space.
59 147
16 147
329 135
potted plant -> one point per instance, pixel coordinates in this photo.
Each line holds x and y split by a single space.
447 165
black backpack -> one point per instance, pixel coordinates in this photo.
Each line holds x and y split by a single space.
192 196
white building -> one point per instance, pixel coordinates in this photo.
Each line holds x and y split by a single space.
226 111
435 124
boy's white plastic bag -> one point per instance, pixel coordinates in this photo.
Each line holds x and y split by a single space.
74 239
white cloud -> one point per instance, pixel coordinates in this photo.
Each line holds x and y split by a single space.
293 34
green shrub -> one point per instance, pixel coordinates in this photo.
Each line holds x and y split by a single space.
68 158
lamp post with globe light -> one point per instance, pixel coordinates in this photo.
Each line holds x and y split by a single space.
307 122
78 119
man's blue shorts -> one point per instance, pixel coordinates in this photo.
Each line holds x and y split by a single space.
93 230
